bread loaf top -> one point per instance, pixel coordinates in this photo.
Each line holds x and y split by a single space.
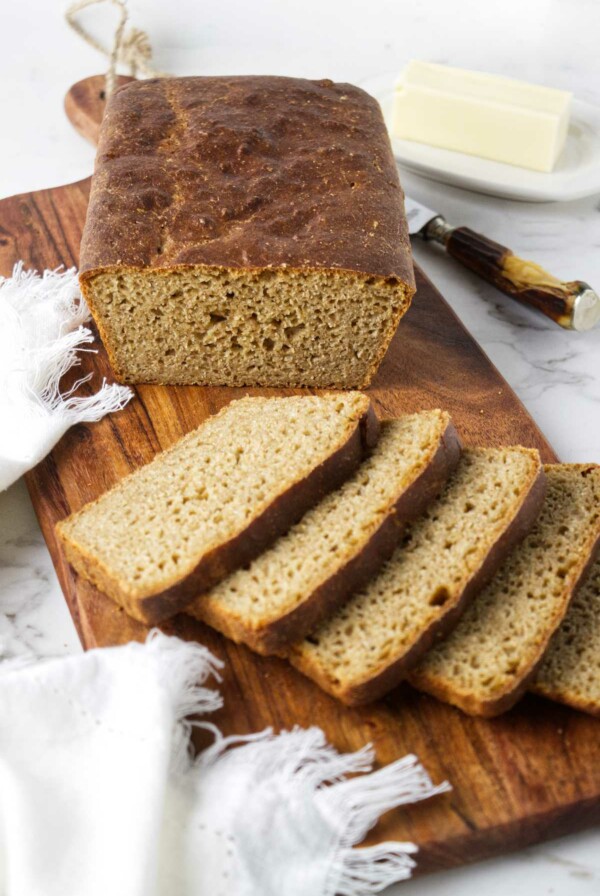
246 172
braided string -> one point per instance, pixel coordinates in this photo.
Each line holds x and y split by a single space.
130 48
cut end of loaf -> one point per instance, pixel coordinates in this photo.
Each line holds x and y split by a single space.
273 327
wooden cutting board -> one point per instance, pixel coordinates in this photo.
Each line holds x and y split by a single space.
527 776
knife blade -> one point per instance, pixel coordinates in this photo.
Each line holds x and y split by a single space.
572 304
417 216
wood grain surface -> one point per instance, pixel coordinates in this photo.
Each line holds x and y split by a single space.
85 102
529 775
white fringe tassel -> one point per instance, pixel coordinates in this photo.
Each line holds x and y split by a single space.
253 774
357 804
261 814
183 668
302 766
41 330
358 872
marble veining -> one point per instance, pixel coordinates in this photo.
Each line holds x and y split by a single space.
34 620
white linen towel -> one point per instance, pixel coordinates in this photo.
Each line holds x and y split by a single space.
41 329
99 794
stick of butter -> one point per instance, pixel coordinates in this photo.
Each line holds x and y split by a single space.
482 115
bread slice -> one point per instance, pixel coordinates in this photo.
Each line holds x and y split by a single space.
217 498
369 645
485 664
570 669
339 544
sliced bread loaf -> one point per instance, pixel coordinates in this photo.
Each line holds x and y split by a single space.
368 646
339 544
570 669
215 499
485 664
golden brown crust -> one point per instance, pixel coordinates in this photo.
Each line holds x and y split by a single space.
564 694
568 698
274 637
263 530
246 172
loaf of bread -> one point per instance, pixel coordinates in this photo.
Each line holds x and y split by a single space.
339 544
374 639
216 498
245 231
486 663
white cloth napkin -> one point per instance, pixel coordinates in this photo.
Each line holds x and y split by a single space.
41 330
99 794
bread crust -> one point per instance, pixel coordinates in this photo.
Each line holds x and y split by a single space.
568 698
228 171
218 563
565 696
379 684
275 637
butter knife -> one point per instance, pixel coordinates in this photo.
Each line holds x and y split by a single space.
573 304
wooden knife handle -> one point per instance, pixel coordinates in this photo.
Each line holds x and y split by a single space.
574 305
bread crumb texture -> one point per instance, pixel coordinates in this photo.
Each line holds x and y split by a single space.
235 328
570 670
328 537
503 634
153 528
442 551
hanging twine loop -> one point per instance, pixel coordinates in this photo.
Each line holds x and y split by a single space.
130 48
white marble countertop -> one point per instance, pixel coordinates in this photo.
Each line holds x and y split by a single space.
556 373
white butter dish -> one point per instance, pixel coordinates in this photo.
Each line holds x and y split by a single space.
484 115
576 173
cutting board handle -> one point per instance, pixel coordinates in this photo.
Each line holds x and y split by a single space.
85 102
